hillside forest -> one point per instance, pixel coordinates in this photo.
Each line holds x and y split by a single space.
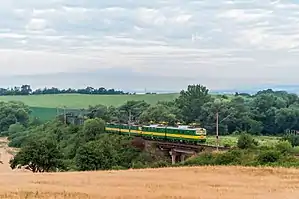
56 145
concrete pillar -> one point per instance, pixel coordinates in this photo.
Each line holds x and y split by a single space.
173 156
182 158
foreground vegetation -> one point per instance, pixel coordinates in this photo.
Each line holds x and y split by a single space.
67 145
249 152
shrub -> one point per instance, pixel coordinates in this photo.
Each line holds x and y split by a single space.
227 158
18 142
138 165
205 158
246 141
284 147
293 139
268 156
160 164
118 168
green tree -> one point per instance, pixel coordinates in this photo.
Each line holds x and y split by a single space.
159 113
40 155
15 128
133 108
191 101
92 128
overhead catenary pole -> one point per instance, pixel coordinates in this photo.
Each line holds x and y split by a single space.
217 130
64 114
130 115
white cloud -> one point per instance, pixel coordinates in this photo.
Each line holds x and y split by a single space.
221 39
36 24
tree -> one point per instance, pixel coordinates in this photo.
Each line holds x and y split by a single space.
159 113
13 112
15 128
191 101
133 108
95 155
40 155
92 128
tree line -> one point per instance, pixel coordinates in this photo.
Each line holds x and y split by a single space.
267 112
70 146
27 90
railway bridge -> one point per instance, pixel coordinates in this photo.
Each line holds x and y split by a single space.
179 151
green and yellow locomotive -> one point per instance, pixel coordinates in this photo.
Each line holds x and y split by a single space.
181 134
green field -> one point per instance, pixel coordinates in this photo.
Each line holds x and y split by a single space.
44 106
232 140
83 101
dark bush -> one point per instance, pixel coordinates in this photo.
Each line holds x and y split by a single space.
268 156
231 157
246 141
205 158
293 139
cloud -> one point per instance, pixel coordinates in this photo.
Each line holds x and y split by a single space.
234 42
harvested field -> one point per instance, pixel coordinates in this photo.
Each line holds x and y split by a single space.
189 183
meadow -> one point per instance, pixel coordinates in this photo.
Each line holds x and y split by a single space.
231 140
45 106
83 101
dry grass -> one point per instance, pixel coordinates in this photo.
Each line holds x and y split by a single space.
175 183
170 183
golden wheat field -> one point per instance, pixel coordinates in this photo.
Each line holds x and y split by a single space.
170 183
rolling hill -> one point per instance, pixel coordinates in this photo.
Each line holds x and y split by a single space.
44 106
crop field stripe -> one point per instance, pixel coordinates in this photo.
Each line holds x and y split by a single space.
157 134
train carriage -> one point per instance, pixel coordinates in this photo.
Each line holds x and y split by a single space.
183 134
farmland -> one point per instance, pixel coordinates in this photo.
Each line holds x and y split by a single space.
44 106
191 183
83 101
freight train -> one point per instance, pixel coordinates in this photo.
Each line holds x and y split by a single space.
181 134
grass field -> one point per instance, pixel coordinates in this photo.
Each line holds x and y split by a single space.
83 101
44 106
232 140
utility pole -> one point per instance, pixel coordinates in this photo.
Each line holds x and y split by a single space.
217 130
130 115
64 114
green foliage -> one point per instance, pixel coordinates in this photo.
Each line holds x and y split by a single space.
268 156
92 128
40 155
12 113
246 141
96 155
284 147
242 157
15 128
106 152
293 139
191 102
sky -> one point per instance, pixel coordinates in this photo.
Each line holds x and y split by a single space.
157 44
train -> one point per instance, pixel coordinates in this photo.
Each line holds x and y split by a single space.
186 134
